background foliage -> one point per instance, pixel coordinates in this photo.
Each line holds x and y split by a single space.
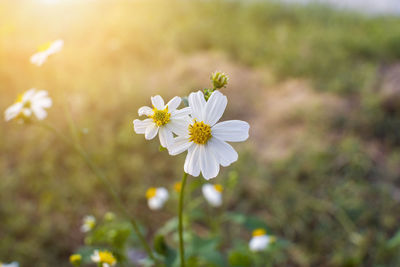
319 88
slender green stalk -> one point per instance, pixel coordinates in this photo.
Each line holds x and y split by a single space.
180 226
101 176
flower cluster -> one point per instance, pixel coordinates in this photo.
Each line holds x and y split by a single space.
34 102
158 196
196 130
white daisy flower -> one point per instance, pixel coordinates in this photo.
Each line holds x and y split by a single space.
45 50
213 194
162 119
205 139
89 222
31 102
12 264
260 240
156 197
105 258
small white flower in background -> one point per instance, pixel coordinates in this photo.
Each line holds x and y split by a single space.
205 139
12 264
45 50
105 258
31 102
260 240
156 197
89 222
162 119
213 194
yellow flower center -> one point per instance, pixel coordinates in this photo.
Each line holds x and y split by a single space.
20 99
161 117
27 105
259 232
178 186
151 192
107 257
90 223
199 132
44 47
219 188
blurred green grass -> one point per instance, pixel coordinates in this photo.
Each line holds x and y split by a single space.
119 53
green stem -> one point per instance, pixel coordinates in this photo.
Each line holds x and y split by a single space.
100 175
180 226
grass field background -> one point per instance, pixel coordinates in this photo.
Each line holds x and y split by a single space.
320 89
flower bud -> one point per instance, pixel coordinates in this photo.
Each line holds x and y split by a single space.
219 79
207 93
109 216
75 259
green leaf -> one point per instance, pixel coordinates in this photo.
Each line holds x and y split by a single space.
239 259
394 241
170 226
160 246
205 251
249 222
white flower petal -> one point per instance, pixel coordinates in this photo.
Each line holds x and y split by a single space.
39 95
259 243
192 161
13 111
179 126
214 108
151 131
179 145
28 95
174 103
145 111
140 126
39 58
157 102
197 103
27 112
44 102
208 164
158 201
39 112
181 112
95 256
224 153
56 46
166 136
232 131
162 193
213 197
